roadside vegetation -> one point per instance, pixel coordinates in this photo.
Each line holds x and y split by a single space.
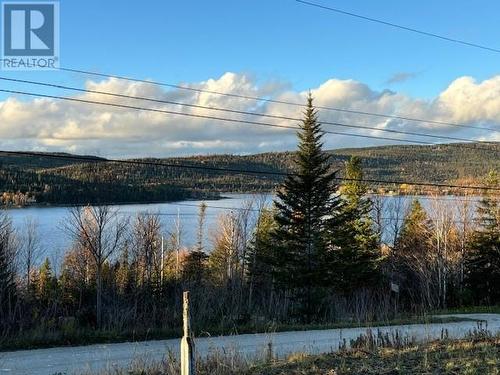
317 257
460 357
373 353
77 336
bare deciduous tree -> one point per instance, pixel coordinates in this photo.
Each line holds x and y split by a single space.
379 206
466 226
147 247
30 250
397 208
7 272
101 231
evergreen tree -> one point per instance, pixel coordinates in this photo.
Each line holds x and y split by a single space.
303 203
410 257
195 266
258 257
356 254
124 273
201 226
47 283
416 226
195 263
358 206
483 260
224 260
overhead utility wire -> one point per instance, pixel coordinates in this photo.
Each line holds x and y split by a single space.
232 208
106 93
406 28
116 105
275 101
231 170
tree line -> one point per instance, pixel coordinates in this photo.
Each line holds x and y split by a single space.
319 254
25 180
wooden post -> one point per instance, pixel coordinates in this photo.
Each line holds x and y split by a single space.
187 343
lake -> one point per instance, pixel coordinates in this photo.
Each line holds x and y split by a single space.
55 241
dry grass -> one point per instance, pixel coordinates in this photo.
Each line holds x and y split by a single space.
456 357
372 354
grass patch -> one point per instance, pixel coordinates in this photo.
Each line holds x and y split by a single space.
470 310
37 339
453 357
477 355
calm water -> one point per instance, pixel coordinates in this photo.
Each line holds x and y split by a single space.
55 241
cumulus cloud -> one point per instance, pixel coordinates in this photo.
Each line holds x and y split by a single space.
52 125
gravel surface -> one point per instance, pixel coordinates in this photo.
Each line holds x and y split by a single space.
74 360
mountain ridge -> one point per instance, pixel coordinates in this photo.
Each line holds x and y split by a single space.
59 181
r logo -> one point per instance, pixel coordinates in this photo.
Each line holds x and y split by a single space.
30 30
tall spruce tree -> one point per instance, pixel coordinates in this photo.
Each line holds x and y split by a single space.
259 270
356 254
411 264
46 283
195 263
304 201
483 259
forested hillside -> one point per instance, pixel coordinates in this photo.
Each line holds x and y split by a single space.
26 179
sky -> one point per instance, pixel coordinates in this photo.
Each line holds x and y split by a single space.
276 48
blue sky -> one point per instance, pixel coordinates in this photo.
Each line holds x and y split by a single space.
192 40
279 41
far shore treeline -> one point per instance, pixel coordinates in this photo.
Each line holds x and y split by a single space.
28 180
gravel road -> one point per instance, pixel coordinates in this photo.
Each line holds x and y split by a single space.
74 360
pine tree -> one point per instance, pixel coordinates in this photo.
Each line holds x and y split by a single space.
196 262
483 260
304 201
195 265
258 257
201 226
411 259
356 251
124 273
47 283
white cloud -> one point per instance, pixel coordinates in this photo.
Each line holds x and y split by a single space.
51 125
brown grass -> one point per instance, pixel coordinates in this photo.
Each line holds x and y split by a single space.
456 357
478 354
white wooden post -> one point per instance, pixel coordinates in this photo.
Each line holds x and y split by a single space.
187 343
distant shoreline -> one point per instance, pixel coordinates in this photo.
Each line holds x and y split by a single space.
55 205
223 195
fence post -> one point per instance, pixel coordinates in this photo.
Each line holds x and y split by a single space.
187 343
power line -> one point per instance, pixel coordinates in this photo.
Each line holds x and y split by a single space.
232 208
443 198
116 105
46 84
95 159
233 170
413 197
258 210
217 207
406 28
275 101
